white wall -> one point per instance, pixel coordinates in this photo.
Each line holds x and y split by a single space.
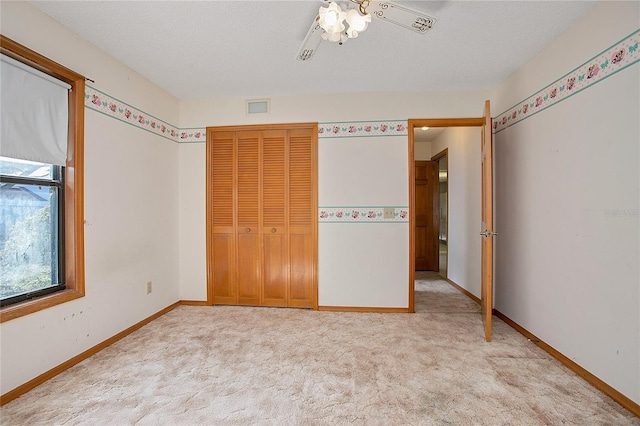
192 219
566 266
360 264
324 108
131 195
465 204
422 151
363 264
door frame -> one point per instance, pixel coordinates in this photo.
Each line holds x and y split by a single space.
412 124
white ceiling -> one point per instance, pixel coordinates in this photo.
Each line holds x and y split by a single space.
205 49
428 135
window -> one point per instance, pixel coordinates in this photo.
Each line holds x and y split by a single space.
31 218
41 188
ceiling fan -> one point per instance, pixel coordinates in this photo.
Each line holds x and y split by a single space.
338 22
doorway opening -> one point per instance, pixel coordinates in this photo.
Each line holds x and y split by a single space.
440 158
486 210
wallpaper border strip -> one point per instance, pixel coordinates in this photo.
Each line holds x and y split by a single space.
362 214
619 56
360 129
103 103
608 62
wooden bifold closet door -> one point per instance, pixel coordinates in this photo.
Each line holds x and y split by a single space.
261 215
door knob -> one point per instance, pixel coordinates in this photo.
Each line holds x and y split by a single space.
248 230
273 230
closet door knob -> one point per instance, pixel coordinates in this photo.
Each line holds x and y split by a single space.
247 230
273 230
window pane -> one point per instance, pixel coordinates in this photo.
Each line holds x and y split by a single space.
24 168
28 238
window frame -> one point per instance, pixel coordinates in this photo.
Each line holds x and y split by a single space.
73 199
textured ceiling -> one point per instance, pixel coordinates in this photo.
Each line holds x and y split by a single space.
208 49
428 135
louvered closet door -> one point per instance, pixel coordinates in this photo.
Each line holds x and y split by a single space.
248 214
274 213
302 213
220 155
261 215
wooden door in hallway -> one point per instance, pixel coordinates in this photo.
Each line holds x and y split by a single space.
427 216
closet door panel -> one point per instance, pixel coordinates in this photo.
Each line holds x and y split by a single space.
248 218
221 155
274 178
223 269
302 215
274 211
301 177
248 179
301 271
221 183
248 269
275 269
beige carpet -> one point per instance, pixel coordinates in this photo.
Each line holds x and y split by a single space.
239 365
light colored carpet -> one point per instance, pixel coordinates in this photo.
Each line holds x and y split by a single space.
239 365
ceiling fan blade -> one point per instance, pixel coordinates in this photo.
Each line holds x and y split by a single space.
311 41
406 17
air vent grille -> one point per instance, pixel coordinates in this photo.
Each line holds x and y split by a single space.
258 106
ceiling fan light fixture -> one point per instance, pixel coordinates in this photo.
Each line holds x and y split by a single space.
357 22
342 20
331 18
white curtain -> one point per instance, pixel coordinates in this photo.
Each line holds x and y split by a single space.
35 114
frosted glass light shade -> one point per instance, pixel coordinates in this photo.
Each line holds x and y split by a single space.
331 18
357 22
335 37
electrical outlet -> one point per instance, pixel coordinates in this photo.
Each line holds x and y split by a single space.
389 213
149 287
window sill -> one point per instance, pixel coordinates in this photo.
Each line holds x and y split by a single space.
30 306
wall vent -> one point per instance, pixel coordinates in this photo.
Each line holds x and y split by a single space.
258 106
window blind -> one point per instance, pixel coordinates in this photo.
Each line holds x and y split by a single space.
34 114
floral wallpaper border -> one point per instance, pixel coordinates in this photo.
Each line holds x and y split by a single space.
101 102
357 129
621 55
370 214
608 62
